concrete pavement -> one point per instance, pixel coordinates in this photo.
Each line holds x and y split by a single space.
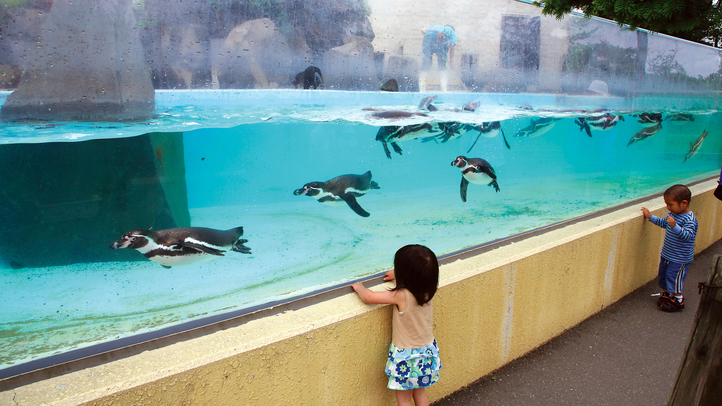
628 354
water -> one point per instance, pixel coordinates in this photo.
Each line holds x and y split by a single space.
244 154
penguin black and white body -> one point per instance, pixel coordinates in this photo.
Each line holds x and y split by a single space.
183 246
649 119
695 146
392 134
344 188
309 78
474 170
603 122
537 127
680 118
644 133
489 130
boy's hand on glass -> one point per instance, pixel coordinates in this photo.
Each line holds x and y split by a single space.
646 212
389 276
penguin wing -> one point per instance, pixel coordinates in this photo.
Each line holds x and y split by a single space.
353 204
463 187
503 136
202 248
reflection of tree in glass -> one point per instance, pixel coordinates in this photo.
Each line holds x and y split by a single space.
664 64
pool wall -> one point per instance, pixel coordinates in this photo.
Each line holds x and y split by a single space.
490 309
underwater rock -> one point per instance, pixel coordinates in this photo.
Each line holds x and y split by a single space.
73 73
65 201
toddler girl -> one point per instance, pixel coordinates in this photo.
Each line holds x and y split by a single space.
413 362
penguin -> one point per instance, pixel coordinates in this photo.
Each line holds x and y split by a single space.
649 119
695 146
183 246
344 188
603 122
645 133
537 127
474 170
426 103
393 134
489 130
309 78
680 118
394 114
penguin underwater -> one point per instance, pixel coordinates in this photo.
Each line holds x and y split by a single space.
344 188
537 127
644 133
649 119
474 170
183 246
695 146
603 122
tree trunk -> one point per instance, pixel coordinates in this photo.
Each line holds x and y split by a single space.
699 380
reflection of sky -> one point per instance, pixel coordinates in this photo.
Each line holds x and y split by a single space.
697 59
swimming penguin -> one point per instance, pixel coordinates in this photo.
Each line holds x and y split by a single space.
680 118
345 188
603 122
392 134
489 130
645 133
426 103
394 114
475 170
649 119
183 246
309 78
537 127
695 146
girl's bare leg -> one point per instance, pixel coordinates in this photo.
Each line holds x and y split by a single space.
420 397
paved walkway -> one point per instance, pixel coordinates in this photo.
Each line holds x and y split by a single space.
627 354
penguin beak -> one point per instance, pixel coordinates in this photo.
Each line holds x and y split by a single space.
123 243
299 192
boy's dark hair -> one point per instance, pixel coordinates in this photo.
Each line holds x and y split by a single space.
679 193
417 269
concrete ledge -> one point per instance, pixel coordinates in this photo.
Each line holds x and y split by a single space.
490 309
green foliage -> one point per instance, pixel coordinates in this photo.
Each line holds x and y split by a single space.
689 19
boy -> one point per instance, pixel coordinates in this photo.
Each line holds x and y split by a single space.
678 249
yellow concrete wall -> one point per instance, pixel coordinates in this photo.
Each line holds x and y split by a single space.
490 309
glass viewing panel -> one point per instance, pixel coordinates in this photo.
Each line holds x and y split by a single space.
196 122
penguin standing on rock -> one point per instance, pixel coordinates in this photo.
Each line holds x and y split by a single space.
183 246
344 188
475 170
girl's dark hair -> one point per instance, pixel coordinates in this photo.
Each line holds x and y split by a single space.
417 269
679 193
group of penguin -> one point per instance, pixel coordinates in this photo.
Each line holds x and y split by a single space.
191 245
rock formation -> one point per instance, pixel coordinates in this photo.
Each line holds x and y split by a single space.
88 65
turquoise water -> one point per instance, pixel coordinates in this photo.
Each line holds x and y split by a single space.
245 152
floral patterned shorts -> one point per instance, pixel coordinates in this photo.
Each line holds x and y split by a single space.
413 368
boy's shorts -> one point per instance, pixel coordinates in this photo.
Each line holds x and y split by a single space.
671 275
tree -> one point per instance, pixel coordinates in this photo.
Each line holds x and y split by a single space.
695 20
